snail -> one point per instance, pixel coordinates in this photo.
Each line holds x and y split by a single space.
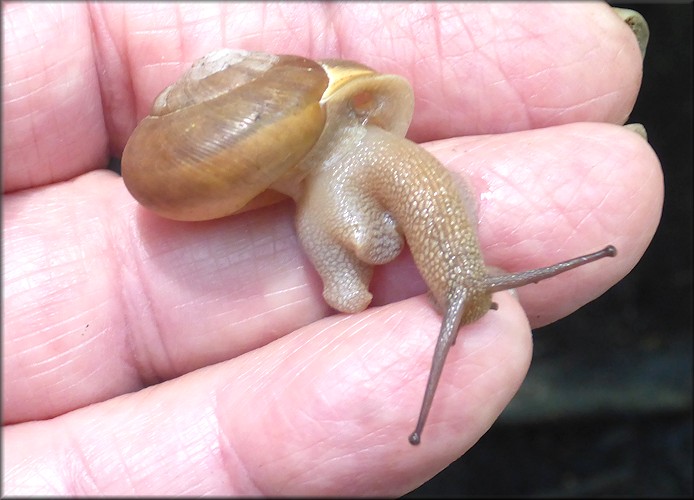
239 129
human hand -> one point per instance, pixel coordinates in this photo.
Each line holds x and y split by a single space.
200 358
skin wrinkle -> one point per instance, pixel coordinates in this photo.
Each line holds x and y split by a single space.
54 265
571 108
43 478
266 294
372 378
285 290
72 386
139 355
109 236
30 483
119 111
311 477
366 375
507 80
334 453
24 148
193 449
512 180
232 465
247 256
586 186
634 194
36 332
311 37
293 372
568 109
259 294
565 191
528 108
180 31
135 461
583 220
44 88
576 189
435 18
255 368
33 146
332 346
404 31
79 479
22 83
53 341
329 41
31 281
368 352
197 28
285 17
252 318
434 21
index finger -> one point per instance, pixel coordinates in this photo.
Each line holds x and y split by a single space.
475 68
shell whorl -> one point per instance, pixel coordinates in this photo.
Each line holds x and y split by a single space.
234 123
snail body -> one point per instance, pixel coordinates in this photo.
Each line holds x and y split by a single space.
239 126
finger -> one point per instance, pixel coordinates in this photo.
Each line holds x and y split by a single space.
481 68
102 297
475 68
315 413
53 122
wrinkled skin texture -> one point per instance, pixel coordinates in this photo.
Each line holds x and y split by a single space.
200 358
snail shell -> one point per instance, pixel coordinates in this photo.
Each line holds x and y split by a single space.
257 115
239 126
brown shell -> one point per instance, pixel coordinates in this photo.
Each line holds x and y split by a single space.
238 123
253 113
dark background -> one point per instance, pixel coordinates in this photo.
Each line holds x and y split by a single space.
606 409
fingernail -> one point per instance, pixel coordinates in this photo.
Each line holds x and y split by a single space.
638 25
638 128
